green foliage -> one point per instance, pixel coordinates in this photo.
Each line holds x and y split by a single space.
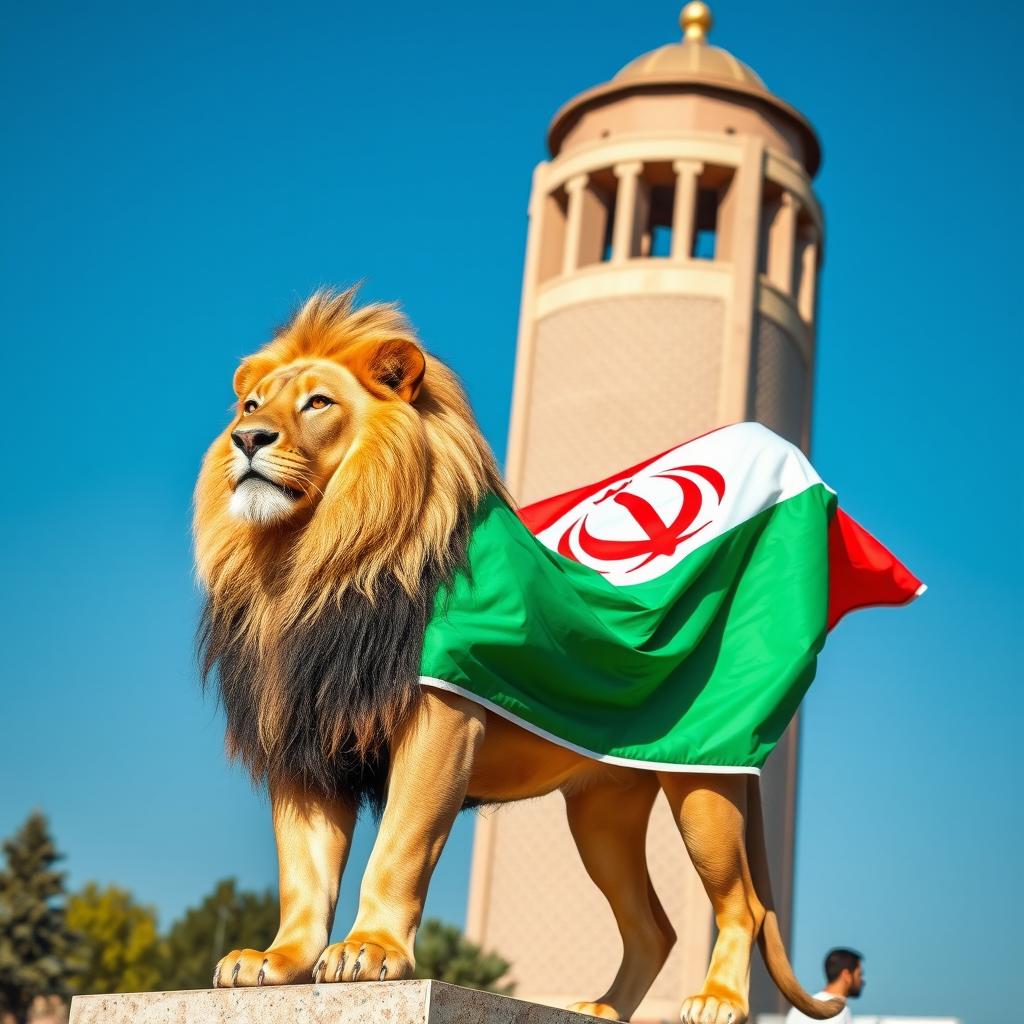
444 953
225 920
36 945
104 941
120 949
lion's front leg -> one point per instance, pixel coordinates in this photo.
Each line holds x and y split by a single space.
431 763
313 838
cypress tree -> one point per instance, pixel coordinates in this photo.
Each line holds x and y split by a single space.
36 945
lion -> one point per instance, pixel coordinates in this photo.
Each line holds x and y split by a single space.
327 515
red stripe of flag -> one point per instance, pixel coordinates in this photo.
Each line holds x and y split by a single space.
863 572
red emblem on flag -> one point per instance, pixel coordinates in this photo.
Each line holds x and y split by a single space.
659 537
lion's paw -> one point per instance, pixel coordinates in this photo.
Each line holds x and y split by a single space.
363 957
595 1010
707 1009
243 968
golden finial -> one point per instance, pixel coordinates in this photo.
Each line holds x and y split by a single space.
696 22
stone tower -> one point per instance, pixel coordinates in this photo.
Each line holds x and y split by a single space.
669 288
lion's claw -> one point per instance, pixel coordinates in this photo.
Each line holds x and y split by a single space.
708 1009
371 959
254 968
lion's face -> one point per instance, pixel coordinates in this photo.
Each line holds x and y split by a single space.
292 432
297 424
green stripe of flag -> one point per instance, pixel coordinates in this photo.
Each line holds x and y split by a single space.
703 666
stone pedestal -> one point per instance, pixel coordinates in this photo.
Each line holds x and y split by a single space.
391 1002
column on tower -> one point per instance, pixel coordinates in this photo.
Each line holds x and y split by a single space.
551 222
586 219
781 242
575 189
631 207
684 210
807 270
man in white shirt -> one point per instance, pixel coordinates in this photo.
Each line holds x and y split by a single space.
844 973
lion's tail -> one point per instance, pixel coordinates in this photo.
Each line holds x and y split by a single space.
769 940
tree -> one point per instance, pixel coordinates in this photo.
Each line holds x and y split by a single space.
444 953
36 944
225 920
120 949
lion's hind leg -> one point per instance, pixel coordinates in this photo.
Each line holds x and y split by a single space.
711 811
608 819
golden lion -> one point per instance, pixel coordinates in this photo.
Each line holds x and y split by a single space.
327 515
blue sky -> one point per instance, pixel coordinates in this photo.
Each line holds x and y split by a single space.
178 176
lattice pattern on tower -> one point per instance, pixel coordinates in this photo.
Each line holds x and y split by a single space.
584 423
780 378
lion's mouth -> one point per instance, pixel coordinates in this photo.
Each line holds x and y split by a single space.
288 492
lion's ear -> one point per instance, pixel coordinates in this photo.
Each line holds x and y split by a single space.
249 373
388 368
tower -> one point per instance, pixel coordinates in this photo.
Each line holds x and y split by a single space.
669 288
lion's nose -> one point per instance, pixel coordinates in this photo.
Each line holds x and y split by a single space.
251 441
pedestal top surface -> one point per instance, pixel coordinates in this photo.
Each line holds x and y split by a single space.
394 1002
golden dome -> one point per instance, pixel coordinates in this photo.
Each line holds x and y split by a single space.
692 65
692 59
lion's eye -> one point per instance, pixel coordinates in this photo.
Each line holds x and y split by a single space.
318 402
251 406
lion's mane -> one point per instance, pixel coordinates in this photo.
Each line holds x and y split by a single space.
314 629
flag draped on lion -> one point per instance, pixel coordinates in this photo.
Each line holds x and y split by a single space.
384 629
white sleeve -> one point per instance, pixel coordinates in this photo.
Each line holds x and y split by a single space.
794 1016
